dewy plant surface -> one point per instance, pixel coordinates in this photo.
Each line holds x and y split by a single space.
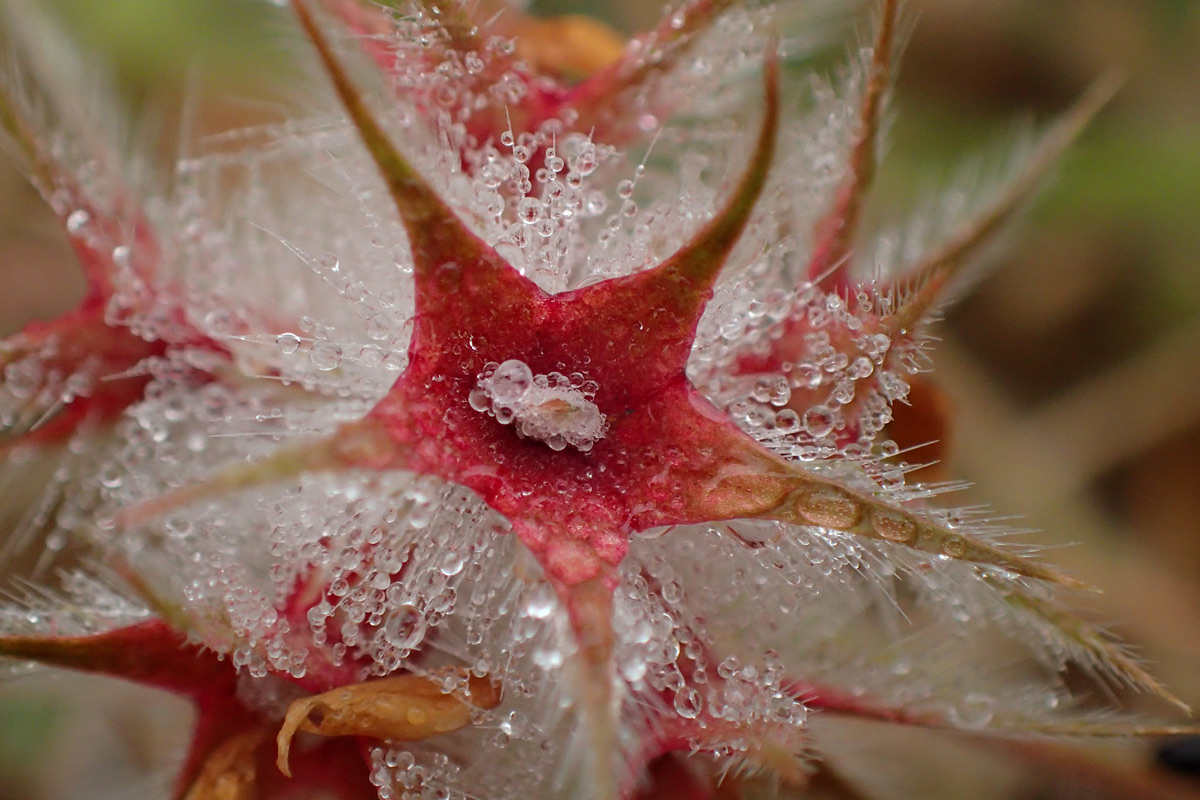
512 417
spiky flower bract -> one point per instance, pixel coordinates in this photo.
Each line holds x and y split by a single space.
510 430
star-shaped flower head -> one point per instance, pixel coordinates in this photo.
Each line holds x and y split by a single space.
566 491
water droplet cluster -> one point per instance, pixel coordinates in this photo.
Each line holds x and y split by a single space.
554 408
40 381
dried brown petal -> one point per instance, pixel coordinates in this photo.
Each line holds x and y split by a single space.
407 707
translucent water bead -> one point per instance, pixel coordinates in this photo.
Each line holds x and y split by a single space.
552 408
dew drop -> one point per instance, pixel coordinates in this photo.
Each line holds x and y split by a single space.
688 702
541 604
787 421
806 375
772 389
451 562
405 628
478 399
633 669
819 421
829 507
78 220
594 203
510 381
110 476
548 657
288 343
377 327
585 162
23 378
529 210
861 368
325 355
974 712
954 546
894 527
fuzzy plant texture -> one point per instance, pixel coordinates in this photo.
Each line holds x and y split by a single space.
518 418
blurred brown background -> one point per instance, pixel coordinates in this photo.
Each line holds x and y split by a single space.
1074 368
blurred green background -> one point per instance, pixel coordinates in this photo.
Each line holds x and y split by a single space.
1073 369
